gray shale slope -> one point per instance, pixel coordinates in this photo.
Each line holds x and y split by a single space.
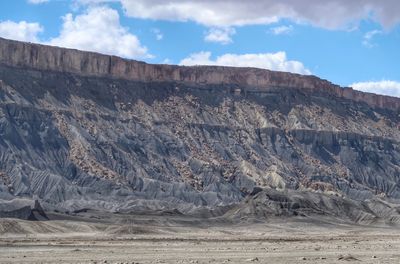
81 130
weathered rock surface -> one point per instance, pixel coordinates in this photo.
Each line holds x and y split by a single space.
270 203
26 209
43 57
83 130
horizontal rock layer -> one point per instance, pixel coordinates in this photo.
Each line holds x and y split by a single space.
79 142
20 54
87 131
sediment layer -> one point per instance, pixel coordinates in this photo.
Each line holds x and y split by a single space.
42 57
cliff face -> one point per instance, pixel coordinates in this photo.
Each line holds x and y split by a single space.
20 54
83 130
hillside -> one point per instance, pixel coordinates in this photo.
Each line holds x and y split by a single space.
83 130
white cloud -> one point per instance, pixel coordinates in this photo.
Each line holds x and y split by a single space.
99 30
220 35
281 30
35 2
330 14
207 12
157 33
22 31
367 39
167 61
272 61
391 88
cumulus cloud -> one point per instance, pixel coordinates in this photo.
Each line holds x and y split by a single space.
220 35
272 61
99 30
385 87
281 30
330 14
35 2
22 30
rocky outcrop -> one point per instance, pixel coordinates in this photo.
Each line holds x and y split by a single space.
23 209
87 131
270 203
20 54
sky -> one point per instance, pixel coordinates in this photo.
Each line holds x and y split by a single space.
351 43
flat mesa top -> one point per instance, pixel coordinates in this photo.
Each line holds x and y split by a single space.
42 57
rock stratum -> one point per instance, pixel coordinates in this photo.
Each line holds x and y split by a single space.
43 57
81 130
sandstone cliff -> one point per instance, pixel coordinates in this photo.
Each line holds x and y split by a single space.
20 54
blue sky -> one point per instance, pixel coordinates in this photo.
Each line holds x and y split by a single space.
347 42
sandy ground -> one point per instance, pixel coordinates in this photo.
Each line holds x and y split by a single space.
67 241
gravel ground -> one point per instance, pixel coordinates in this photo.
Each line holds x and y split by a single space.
66 241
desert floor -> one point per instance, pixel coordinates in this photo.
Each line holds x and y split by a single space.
158 239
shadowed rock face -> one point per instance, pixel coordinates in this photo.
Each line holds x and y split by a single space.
22 209
84 130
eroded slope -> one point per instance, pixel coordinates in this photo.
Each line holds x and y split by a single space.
121 145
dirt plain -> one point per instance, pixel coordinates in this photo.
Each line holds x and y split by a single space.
179 239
